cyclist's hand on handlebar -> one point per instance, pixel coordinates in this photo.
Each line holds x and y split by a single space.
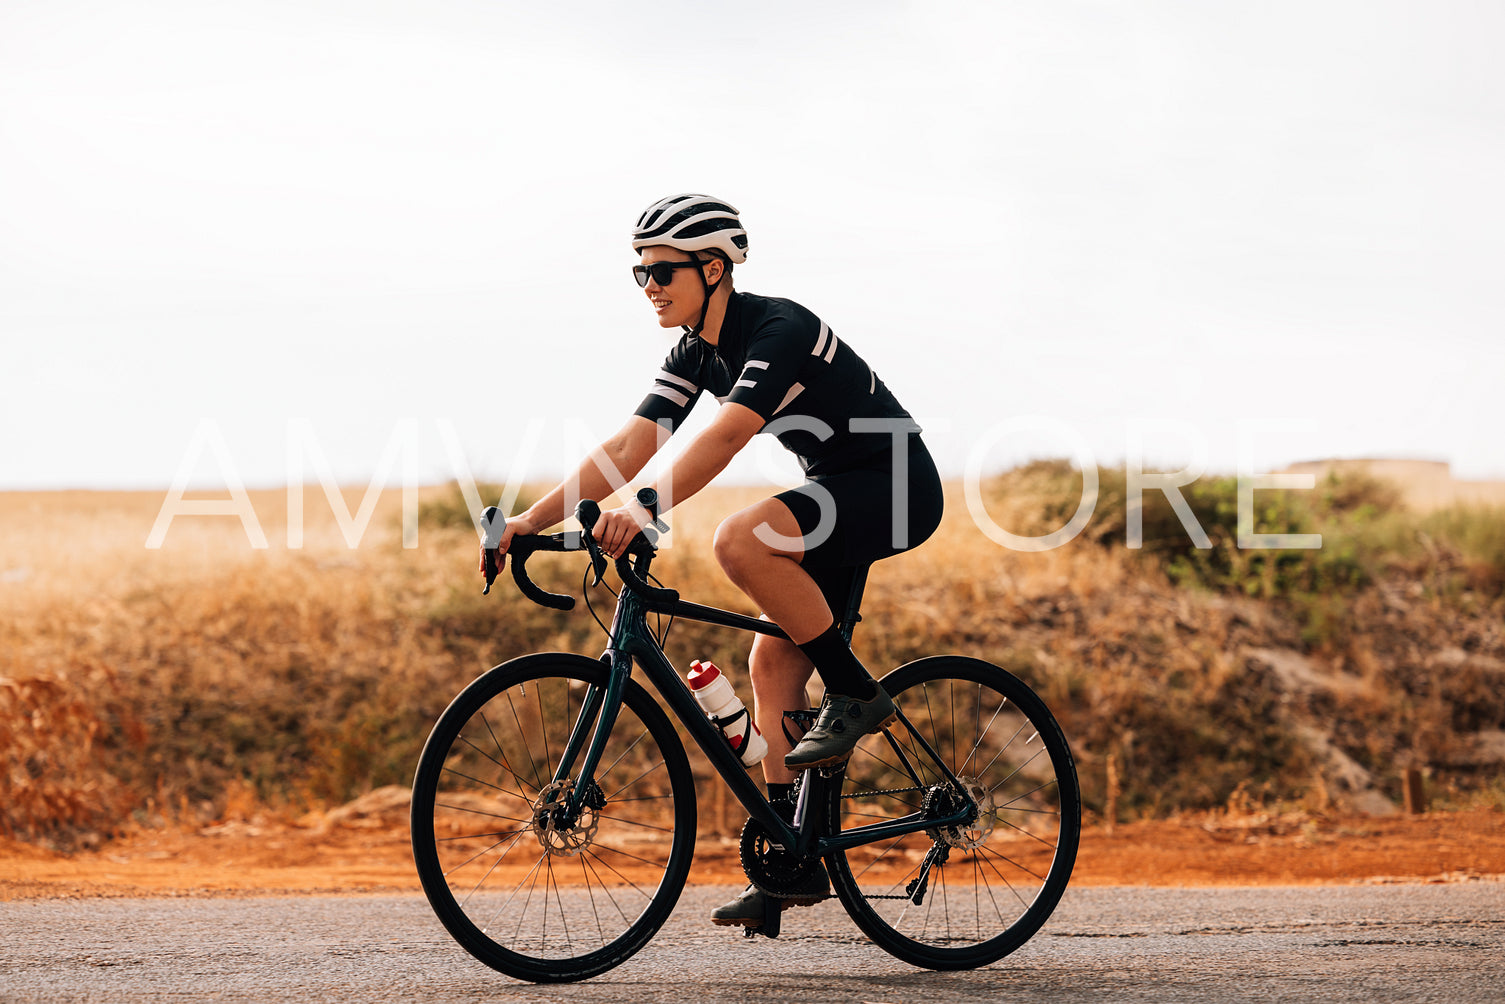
618 527
515 526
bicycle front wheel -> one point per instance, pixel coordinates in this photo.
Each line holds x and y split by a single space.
964 895
521 885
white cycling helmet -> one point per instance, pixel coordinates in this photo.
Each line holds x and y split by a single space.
692 223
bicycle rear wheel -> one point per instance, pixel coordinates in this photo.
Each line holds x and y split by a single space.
520 886
966 895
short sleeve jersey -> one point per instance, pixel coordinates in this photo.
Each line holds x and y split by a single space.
786 364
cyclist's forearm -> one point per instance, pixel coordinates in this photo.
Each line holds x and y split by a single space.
602 473
705 457
588 482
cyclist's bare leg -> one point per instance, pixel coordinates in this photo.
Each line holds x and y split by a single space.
760 550
779 673
767 568
765 564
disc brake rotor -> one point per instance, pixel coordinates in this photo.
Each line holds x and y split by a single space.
556 837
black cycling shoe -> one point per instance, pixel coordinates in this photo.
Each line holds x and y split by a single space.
842 721
750 908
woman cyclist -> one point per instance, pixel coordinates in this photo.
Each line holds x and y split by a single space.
871 488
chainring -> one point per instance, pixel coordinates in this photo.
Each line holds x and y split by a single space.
775 871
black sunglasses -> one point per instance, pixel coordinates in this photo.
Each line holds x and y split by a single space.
661 271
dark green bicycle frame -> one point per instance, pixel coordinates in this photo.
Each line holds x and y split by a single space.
631 640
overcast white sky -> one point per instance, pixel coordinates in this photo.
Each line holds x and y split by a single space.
1197 224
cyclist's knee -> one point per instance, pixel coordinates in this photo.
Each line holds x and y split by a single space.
748 538
735 546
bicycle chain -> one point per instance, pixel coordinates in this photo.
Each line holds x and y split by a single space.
884 791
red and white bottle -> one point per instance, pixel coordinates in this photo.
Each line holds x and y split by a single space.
725 709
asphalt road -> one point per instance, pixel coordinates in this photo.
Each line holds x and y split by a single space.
1381 943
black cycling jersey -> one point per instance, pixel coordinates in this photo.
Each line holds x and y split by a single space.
786 364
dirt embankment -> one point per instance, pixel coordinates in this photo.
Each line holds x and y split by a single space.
358 850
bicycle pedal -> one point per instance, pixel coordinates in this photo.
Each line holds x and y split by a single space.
773 910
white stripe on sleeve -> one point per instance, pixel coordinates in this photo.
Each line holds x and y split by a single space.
668 377
820 341
671 394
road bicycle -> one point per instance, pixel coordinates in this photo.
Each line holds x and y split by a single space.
554 810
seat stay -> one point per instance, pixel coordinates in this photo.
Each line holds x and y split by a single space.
929 751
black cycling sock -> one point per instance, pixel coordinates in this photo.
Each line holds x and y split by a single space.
781 797
838 667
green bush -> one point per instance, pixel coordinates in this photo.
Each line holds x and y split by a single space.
1356 516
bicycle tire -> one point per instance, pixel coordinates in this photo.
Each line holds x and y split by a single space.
523 895
1003 874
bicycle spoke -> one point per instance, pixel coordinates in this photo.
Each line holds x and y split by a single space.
586 862
1016 864
479 835
1027 833
1004 879
564 920
523 732
982 733
498 912
647 826
522 914
481 812
484 851
504 763
548 753
625 880
642 798
488 784
590 895
635 780
1005 748
881 855
601 775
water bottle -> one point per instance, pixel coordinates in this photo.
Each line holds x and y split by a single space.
725 709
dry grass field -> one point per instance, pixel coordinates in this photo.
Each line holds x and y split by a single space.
207 681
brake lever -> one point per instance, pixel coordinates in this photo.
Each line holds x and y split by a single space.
494 524
588 512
